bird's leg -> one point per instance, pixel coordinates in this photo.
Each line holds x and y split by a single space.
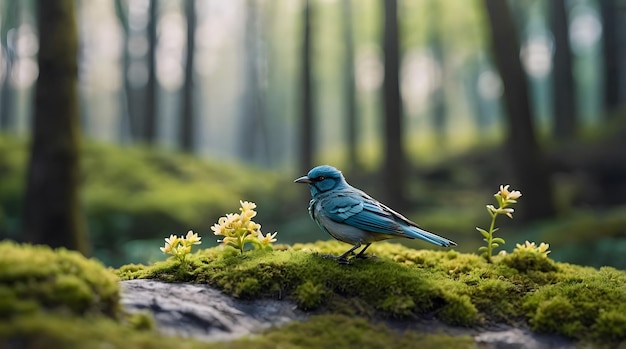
342 258
360 254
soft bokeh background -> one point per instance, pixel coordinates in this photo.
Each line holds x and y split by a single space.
238 73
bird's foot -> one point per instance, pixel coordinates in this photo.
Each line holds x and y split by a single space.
339 259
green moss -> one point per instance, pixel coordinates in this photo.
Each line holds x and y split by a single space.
309 296
609 325
338 331
527 261
578 301
58 331
34 277
459 289
459 310
142 320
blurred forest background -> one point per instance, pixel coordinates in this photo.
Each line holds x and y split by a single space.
124 121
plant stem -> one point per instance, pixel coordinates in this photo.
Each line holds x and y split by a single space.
490 238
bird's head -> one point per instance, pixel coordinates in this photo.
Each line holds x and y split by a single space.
322 179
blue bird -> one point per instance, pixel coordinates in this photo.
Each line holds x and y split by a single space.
350 215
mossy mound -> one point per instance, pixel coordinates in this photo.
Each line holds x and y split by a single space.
520 289
34 278
59 299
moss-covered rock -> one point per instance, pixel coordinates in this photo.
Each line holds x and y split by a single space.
57 298
33 278
519 289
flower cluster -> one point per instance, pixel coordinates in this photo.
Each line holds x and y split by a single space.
542 249
180 247
504 197
239 229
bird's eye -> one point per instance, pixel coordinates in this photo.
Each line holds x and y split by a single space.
321 178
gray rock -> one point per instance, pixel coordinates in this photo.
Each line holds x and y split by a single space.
515 338
202 312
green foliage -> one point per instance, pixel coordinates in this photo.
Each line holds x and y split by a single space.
36 277
459 289
588 237
134 193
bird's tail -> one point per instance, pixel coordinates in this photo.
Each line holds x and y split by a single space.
417 233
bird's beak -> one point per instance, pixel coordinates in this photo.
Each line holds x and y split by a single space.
303 179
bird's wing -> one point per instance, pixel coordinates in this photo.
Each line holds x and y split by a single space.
360 211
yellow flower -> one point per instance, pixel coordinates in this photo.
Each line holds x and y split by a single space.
217 229
509 196
172 240
532 247
268 238
192 238
247 206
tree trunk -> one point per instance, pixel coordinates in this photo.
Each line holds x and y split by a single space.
10 15
253 144
438 96
527 159
394 165
127 123
612 54
187 136
151 91
306 121
350 88
52 213
565 116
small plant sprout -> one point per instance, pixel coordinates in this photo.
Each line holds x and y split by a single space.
504 198
531 247
180 247
239 229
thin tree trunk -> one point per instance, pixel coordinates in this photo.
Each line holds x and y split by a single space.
394 165
350 88
438 96
306 125
611 55
187 136
52 213
127 124
253 145
527 159
151 92
10 17
565 116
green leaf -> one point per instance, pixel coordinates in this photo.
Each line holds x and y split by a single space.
494 245
483 249
483 231
495 230
499 240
